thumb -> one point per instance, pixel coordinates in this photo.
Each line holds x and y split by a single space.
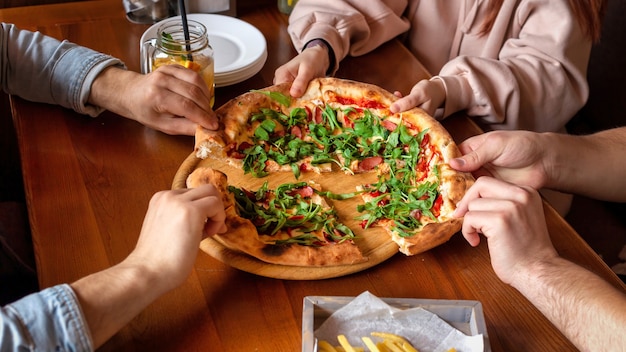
300 84
468 162
473 160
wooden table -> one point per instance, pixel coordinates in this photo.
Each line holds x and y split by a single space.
88 182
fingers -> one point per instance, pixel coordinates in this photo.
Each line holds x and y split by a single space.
404 104
205 201
300 70
416 97
209 200
429 95
182 92
487 205
301 82
484 187
476 154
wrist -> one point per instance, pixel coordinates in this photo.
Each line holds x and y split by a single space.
527 276
554 163
317 42
106 90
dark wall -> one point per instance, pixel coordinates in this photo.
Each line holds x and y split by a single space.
606 74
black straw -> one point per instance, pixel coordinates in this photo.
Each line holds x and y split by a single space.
183 14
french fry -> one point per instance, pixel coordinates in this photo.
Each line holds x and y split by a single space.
343 341
400 341
389 343
324 346
370 344
392 345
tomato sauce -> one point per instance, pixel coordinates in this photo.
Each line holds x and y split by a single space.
363 103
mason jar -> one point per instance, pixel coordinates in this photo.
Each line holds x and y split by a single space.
171 47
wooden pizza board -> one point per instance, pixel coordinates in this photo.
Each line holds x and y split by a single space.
374 242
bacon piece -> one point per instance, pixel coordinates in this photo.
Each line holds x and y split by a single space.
389 125
296 131
370 163
317 115
304 192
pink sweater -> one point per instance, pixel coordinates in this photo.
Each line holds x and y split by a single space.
529 72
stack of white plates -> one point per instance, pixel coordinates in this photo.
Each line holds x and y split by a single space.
240 49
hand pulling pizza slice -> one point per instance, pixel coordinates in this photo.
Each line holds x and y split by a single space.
291 225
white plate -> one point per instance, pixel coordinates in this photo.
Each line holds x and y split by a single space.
237 45
239 76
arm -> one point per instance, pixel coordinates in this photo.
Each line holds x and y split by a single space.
588 165
588 310
347 27
514 83
164 255
350 26
42 69
83 316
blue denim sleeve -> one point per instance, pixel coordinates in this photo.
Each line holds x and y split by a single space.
50 320
40 68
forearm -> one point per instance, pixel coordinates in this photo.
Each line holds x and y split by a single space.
590 165
522 69
347 25
40 68
588 310
113 297
107 90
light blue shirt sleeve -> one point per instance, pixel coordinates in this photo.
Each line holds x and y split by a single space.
40 68
50 320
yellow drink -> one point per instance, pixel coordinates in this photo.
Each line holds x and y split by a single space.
202 64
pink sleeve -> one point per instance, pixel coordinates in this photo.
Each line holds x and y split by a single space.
538 81
353 27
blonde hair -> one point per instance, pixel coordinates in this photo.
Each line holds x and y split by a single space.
588 13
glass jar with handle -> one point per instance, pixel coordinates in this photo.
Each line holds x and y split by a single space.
170 47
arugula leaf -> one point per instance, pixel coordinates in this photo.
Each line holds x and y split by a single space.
278 97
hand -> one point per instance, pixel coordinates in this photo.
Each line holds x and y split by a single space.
428 95
165 253
313 62
512 220
172 230
171 99
513 156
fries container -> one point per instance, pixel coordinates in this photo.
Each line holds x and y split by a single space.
464 315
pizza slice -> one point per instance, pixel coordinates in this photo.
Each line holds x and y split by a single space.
414 199
261 134
291 225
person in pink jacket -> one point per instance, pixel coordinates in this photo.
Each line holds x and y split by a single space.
511 64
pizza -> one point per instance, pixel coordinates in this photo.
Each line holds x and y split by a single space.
290 225
341 129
